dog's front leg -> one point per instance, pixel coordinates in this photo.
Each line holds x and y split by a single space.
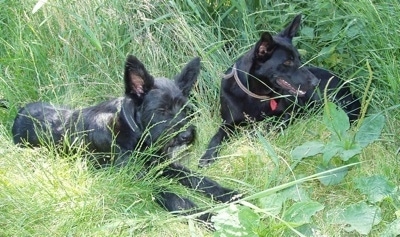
123 158
212 151
200 183
172 203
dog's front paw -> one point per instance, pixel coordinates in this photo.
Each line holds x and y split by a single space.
203 163
230 197
206 160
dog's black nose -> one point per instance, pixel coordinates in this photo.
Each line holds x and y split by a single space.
186 136
314 81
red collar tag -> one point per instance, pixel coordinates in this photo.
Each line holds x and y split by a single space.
273 104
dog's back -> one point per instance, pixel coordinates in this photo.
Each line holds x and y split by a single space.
338 91
39 116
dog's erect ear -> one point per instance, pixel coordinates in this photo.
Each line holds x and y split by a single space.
290 31
188 76
265 46
137 80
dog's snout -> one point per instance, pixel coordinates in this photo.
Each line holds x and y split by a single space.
186 136
314 81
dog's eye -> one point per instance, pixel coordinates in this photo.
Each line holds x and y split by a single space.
288 62
161 110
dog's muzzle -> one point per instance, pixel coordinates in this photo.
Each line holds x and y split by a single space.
186 137
180 142
287 86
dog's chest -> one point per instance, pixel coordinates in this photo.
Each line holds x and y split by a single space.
259 109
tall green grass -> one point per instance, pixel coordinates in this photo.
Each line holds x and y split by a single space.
73 54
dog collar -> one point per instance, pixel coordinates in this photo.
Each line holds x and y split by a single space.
272 103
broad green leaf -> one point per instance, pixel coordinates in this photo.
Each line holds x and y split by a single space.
229 216
336 120
273 203
301 212
360 217
376 188
235 221
333 177
296 193
346 154
248 218
307 149
341 149
370 129
392 230
308 229
327 50
331 149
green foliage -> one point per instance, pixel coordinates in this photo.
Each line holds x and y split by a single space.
393 229
297 215
300 213
360 217
342 144
237 221
376 188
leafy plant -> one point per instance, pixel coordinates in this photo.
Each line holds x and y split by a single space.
237 221
288 203
375 188
343 144
338 153
360 217
300 213
250 220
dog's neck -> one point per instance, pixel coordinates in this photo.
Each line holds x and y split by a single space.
258 86
234 74
253 85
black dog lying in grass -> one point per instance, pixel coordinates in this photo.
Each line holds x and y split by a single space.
153 113
270 80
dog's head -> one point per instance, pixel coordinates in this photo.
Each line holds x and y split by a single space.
158 109
276 62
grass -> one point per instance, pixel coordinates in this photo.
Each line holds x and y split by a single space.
73 54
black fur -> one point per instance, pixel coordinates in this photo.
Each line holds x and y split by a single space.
153 113
273 68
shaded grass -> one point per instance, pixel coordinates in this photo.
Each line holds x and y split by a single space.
74 54
44 193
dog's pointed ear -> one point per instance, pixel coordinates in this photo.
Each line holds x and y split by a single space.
264 46
290 31
188 76
137 80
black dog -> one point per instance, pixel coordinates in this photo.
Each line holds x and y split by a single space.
153 113
270 80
